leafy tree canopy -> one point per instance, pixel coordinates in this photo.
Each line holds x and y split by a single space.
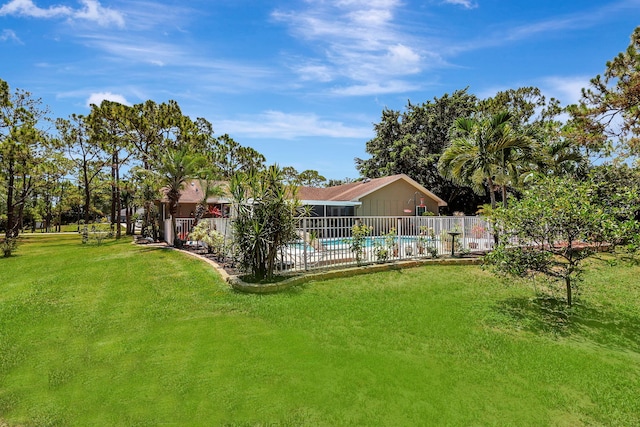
412 141
560 222
607 119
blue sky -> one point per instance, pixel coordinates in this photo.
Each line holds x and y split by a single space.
303 81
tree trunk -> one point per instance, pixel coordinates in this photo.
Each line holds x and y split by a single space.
127 213
492 196
47 213
10 170
118 201
87 196
567 282
114 159
504 196
492 193
177 242
59 225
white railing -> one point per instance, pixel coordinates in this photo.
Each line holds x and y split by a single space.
328 242
184 227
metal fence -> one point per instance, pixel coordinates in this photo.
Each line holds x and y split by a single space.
329 242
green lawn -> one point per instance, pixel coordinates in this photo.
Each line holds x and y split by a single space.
120 334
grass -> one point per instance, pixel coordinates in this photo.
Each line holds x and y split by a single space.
120 334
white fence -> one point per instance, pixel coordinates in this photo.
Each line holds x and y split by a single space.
329 242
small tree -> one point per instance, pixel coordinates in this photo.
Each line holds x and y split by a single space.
556 225
267 212
359 232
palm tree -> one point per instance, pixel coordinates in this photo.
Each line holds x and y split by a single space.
485 153
210 187
176 168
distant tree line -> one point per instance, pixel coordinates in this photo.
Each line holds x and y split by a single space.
469 151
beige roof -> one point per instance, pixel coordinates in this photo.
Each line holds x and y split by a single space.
355 191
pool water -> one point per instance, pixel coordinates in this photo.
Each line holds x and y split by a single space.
371 241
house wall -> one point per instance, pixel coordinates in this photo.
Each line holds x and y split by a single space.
186 210
392 200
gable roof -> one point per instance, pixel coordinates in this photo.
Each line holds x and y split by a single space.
355 191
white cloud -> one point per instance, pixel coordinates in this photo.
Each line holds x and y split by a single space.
280 125
311 72
356 40
98 97
6 35
29 9
136 49
403 59
566 89
467 4
92 11
375 89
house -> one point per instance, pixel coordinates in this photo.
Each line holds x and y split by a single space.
191 196
217 206
396 195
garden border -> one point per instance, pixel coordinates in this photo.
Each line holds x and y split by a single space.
236 282
261 288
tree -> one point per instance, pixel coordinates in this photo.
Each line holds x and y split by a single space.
558 223
534 116
21 148
176 168
412 141
482 152
128 201
306 178
311 178
608 115
88 157
52 186
154 129
267 213
229 157
336 182
109 131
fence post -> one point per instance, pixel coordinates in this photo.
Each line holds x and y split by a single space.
304 243
399 238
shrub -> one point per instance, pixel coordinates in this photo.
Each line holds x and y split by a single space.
8 246
359 232
96 233
205 233
267 212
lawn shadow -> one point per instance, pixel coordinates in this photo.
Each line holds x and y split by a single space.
549 315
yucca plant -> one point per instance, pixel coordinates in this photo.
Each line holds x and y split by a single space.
266 214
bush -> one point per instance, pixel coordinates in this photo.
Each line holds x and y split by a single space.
358 239
205 233
8 246
267 212
97 233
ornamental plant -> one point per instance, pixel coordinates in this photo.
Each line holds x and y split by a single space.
359 232
205 233
266 215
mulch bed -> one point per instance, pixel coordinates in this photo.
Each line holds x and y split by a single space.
228 266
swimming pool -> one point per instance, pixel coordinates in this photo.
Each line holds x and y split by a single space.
371 241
